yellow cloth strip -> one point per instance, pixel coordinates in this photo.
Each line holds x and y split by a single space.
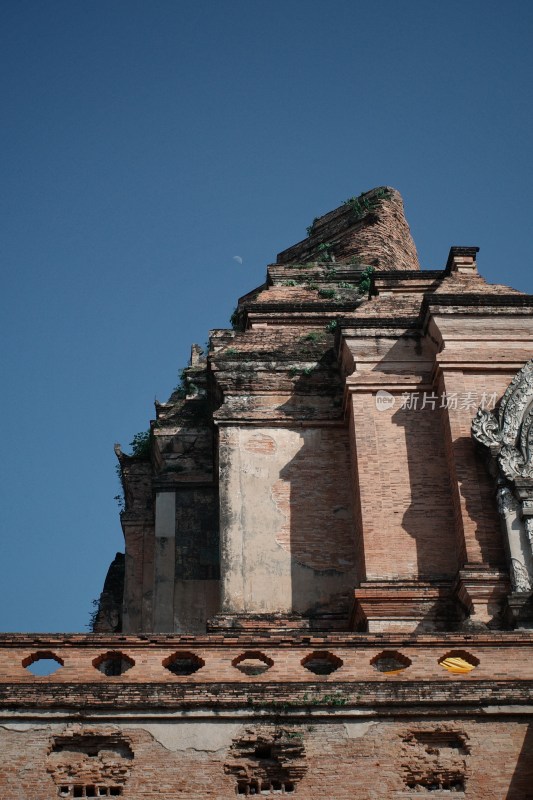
458 665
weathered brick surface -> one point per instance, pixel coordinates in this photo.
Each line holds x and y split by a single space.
311 500
353 733
476 517
370 759
108 617
407 514
356 651
360 549
378 236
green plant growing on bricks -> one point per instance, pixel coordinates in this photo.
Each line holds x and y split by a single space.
285 706
294 371
120 497
181 388
312 336
236 320
345 285
324 251
93 614
310 227
360 206
365 280
140 444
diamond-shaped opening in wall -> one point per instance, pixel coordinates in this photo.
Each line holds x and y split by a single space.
252 663
322 662
390 662
183 663
113 663
459 662
43 663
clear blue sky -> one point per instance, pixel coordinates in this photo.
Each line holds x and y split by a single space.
144 145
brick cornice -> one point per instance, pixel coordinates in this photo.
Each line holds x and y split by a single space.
398 698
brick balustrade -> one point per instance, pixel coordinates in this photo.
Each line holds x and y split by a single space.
356 652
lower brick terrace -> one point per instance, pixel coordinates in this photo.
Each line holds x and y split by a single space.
344 716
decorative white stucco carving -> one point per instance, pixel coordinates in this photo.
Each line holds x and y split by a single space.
509 433
518 545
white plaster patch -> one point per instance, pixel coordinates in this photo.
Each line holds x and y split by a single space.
21 727
518 709
202 736
255 470
355 730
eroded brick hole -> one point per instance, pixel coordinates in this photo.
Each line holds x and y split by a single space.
322 662
257 787
90 791
183 663
435 761
267 762
89 764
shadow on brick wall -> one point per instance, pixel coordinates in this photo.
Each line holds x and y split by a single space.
521 786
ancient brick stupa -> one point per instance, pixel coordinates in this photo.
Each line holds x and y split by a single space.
326 585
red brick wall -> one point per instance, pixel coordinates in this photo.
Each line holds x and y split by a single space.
356 733
314 499
368 759
476 517
501 656
406 505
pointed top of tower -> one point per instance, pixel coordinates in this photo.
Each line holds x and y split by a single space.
370 229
